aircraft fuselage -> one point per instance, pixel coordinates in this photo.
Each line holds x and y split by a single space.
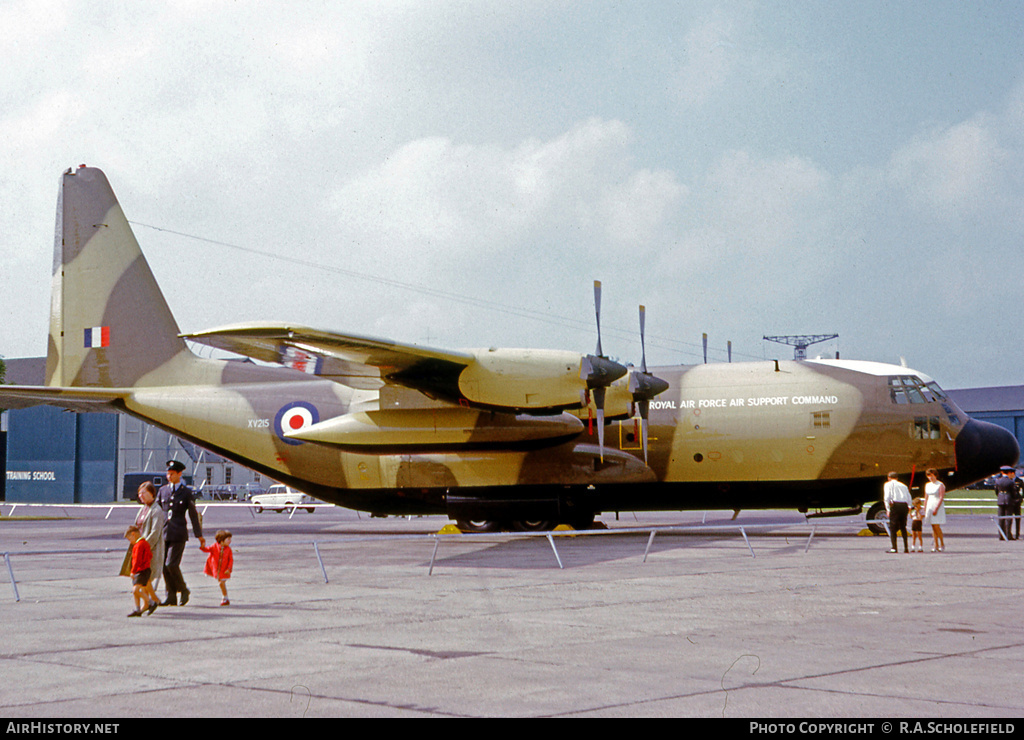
747 435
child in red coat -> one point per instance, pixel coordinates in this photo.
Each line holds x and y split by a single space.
142 560
220 562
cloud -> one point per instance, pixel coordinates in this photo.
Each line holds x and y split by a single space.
954 172
434 194
716 164
726 58
764 206
710 59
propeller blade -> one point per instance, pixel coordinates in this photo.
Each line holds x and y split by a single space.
705 348
598 372
643 348
643 386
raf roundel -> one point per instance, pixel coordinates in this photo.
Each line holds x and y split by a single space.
293 417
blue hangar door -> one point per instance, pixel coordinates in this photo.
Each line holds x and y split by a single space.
55 456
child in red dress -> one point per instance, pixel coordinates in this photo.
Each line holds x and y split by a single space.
220 562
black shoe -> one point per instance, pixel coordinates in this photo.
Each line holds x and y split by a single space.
184 596
136 613
152 608
170 601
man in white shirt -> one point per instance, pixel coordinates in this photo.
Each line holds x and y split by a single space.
897 505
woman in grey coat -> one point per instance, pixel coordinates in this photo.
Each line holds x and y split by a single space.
150 521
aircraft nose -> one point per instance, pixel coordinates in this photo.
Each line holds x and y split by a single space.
982 448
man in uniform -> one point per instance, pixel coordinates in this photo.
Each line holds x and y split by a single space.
176 499
1018 498
1006 494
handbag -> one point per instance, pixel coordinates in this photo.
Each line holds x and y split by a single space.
126 564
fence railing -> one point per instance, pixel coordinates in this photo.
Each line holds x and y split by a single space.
744 530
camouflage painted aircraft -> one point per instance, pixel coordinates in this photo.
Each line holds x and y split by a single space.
489 436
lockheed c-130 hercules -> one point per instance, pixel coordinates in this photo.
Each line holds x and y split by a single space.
490 437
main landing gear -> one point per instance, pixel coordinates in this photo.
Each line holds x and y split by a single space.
523 525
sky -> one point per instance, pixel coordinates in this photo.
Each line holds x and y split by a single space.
458 173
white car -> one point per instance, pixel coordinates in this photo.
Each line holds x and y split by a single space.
280 497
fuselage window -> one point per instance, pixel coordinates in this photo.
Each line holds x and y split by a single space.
926 427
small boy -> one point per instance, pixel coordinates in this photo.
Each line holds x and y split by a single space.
142 558
916 517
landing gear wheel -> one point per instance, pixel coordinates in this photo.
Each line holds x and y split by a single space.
877 518
533 525
477 526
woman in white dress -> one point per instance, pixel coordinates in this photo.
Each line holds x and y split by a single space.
934 509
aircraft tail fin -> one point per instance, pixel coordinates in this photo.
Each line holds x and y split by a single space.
110 325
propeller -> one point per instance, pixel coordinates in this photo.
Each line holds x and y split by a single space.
599 372
643 386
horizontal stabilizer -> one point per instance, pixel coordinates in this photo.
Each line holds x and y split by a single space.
72 399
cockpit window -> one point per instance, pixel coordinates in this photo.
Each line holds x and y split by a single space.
904 389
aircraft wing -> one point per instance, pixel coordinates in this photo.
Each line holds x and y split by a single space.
506 379
356 361
73 399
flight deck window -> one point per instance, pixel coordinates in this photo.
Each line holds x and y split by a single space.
906 389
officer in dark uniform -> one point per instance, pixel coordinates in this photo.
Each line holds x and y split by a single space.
1006 493
176 499
1015 502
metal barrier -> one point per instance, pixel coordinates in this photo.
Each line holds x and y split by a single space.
438 539
997 520
969 503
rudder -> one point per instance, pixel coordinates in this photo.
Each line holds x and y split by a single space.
110 325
